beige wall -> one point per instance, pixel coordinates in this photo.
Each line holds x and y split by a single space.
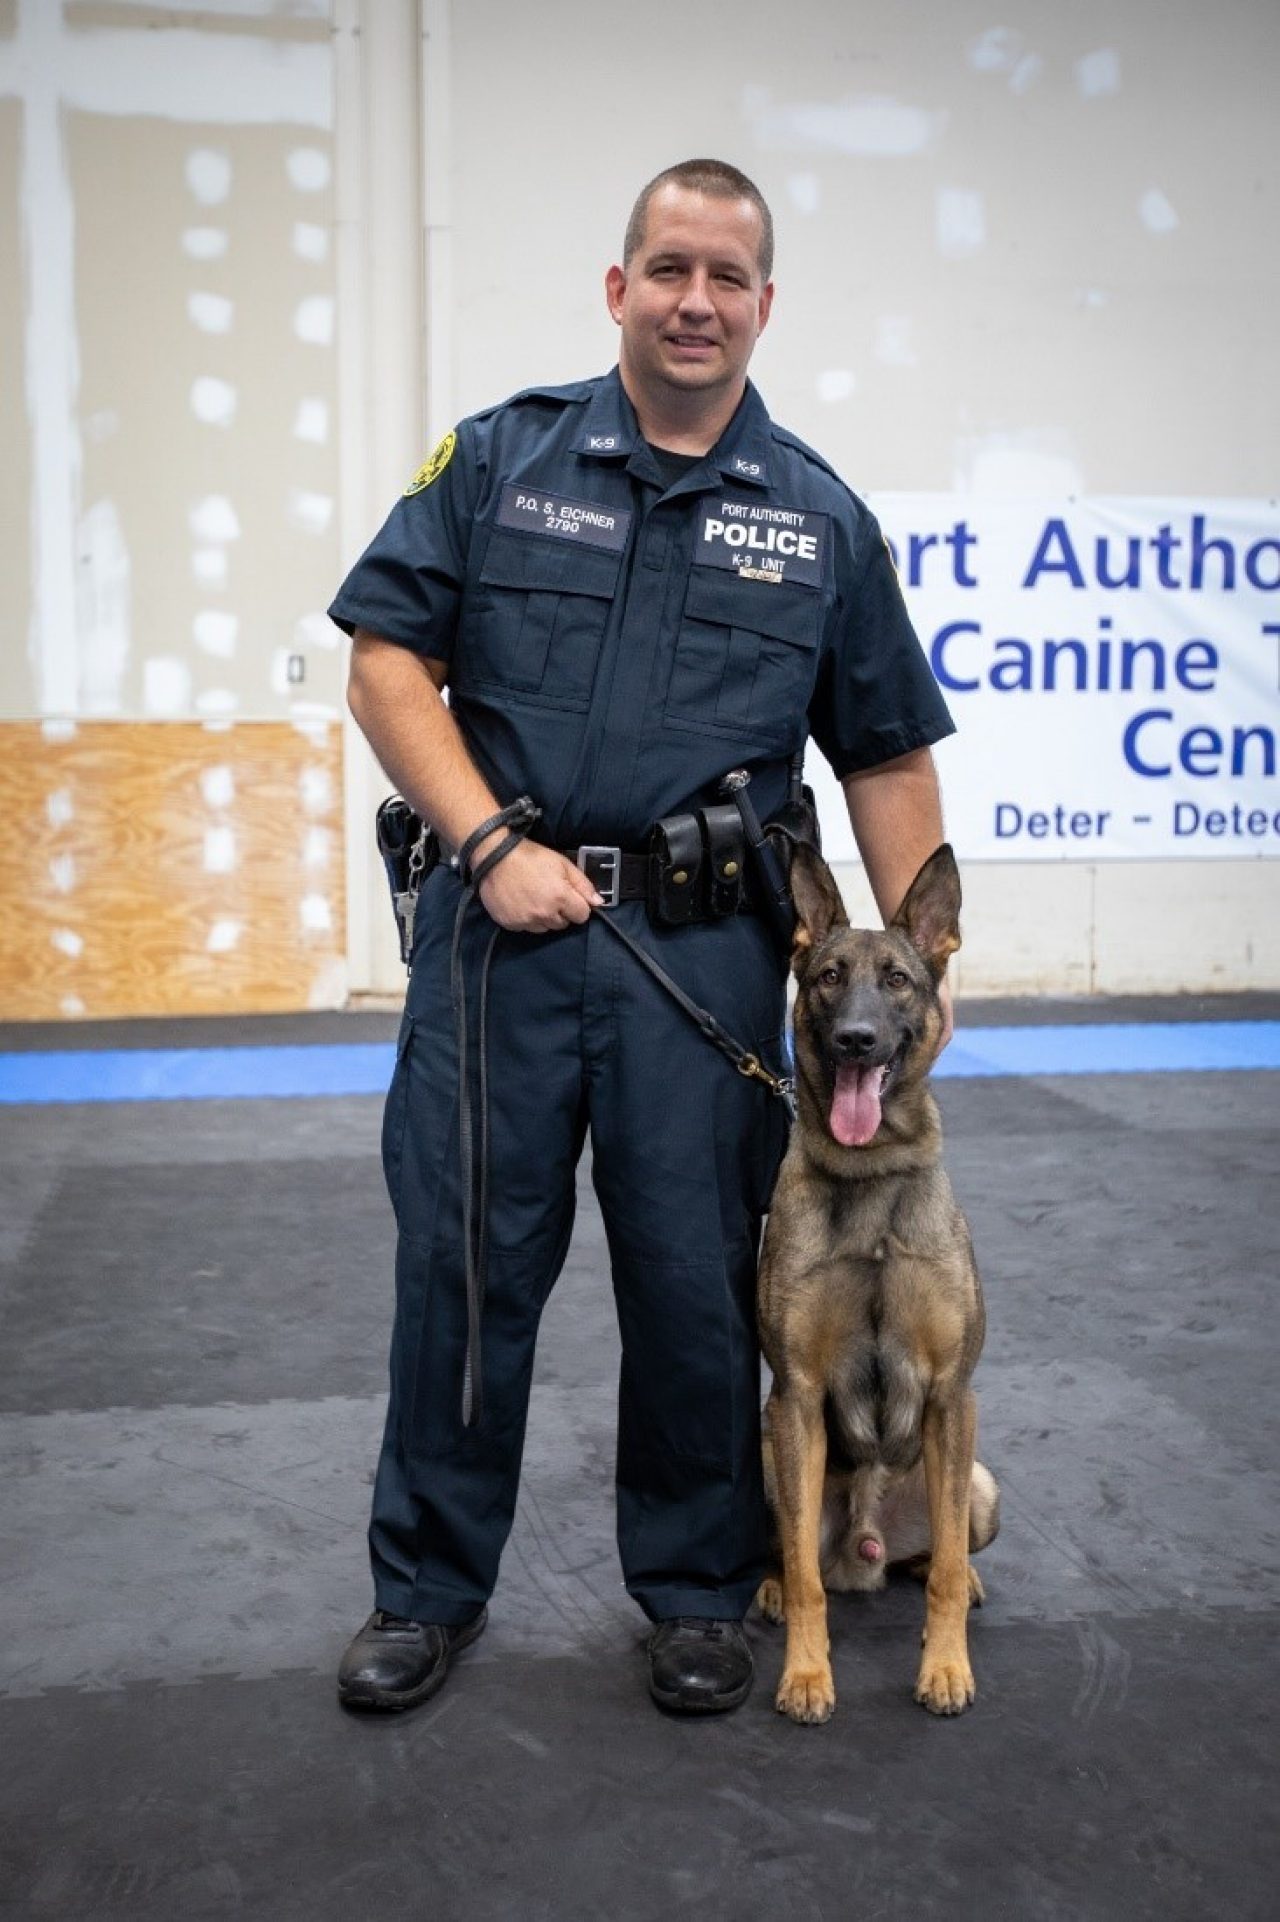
1027 258
169 524
972 221
173 190
162 334
1030 258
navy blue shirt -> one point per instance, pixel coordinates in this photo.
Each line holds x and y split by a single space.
614 646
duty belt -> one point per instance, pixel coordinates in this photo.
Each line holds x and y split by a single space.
694 868
619 875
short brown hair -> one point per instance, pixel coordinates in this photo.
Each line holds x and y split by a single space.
715 178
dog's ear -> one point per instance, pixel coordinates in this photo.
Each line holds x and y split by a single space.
930 914
817 901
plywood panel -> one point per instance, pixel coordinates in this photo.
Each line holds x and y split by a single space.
170 869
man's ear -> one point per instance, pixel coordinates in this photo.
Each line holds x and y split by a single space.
615 286
817 901
930 914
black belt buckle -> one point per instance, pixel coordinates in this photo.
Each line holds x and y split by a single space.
603 868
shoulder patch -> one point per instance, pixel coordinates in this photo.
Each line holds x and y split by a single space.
435 464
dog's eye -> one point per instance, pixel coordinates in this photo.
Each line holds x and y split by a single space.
830 977
898 978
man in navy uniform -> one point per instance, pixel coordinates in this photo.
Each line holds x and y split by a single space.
631 586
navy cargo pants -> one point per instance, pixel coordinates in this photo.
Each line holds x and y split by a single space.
684 1155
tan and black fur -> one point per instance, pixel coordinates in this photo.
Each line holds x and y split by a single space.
870 1308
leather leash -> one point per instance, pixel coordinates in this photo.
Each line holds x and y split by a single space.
519 818
783 1086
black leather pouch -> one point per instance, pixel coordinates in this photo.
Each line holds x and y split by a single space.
726 847
796 820
675 871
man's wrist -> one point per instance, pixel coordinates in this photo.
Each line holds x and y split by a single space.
493 831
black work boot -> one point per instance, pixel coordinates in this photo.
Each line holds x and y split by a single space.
393 1663
698 1666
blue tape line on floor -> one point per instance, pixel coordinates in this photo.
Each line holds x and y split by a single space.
1166 1047
296 1073
198 1074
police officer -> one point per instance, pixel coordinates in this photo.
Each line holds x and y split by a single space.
631 586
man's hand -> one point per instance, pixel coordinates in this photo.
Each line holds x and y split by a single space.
534 890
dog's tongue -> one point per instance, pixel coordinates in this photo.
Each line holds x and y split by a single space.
855 1106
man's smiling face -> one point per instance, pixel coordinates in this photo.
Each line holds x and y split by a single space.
692 301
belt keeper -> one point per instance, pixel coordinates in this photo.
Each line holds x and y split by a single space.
726 858
675 870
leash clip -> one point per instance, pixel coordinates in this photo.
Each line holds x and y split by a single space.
783 1085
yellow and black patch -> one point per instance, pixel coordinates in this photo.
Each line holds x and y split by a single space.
435 464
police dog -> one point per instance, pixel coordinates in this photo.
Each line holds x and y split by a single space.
870 1307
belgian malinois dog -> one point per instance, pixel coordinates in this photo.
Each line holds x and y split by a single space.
870 1307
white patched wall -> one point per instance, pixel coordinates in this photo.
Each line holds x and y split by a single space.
1014 260
265 251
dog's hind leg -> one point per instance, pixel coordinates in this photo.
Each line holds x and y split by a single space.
905 1521
769 1594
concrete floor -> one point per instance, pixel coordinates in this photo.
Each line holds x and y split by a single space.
194 1308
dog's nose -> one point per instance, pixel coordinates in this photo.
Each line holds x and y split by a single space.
854 1041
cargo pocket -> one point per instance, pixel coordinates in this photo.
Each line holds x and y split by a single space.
746 656
395 1114
535 621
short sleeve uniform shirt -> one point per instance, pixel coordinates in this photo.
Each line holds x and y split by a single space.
614 648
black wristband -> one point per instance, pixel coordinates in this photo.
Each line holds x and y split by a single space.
519 816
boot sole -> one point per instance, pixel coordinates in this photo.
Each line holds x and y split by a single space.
387 1701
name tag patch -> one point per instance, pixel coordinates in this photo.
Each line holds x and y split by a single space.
762 543
534 511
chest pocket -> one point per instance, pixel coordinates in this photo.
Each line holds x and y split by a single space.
534 621
746 656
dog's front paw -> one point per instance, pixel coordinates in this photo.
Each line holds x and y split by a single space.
769 1599
945 1687
806 1694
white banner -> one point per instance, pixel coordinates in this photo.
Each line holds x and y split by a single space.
1112 667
